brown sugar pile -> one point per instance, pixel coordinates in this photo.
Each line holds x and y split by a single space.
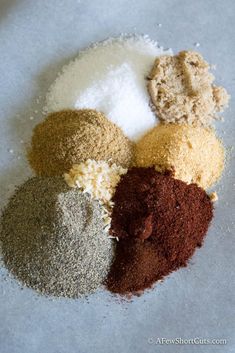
160 222
70 137
194 153
181 88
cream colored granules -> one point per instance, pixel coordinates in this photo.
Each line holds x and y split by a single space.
99 180
194 153
110 77
214 196
70 137
182 90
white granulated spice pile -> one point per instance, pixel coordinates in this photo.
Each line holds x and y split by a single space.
99 180
110 77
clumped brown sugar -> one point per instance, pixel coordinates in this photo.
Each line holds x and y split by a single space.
70 137
182 89
160 222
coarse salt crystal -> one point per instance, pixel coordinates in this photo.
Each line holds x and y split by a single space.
110 77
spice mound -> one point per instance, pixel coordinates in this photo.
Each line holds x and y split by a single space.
194 153
99 180
160 222
110 77
182 90
53 239
72 136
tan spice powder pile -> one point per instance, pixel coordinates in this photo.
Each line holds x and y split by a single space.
182 90
194 153
69 137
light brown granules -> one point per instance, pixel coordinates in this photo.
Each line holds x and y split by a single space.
214 196
195 154
70 137
182 91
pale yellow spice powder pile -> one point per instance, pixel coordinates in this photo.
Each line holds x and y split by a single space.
70 137
194 153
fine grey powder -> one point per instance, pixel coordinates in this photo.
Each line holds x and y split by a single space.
53 239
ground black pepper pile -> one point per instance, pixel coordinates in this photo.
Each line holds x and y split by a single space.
53 239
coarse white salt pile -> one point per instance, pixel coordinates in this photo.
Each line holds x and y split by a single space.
110 77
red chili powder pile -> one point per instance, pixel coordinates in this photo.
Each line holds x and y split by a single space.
160 222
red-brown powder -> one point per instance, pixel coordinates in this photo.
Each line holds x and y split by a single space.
160 221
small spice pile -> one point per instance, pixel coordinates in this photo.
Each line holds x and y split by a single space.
182 90
194 153
110 77
160 222
97 179
73 136
53 239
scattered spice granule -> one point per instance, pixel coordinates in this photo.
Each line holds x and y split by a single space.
214 196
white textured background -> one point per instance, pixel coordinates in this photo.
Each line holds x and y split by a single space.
36 38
